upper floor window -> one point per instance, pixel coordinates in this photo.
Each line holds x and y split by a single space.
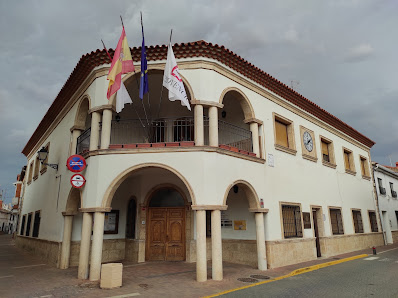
357 218
381 188
292 224
349 161
284 134
30 172
373 221
43 167
336 221
364 167
393 192
36 171
328 158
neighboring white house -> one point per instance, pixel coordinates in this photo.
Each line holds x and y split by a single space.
256 174
6 218
386 179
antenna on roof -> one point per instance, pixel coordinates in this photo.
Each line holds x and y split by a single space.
390 160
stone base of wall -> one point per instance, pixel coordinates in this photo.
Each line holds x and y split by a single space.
339 244
289 251
394 236
50 251
135 250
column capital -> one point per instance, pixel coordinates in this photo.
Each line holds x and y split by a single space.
95 209
253 120
101 108
209 207
77 127
69 213
207 103
259 210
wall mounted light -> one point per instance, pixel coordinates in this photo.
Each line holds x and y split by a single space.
236 189
223 114
42 156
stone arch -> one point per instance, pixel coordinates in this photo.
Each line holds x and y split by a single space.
109 193
74 201
112 100
82 111
244 101
250 192
165 185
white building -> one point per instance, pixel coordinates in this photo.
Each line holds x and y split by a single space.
6 218
256 174
386 180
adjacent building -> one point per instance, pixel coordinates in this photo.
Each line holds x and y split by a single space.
386 181
256 174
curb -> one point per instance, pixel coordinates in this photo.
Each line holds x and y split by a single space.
293 273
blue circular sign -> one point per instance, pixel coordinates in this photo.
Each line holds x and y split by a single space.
76 163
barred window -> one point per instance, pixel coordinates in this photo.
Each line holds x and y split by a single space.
23 225
373 221
28 224
36 224
336 221
358 226
292 226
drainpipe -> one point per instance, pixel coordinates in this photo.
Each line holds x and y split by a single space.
377 203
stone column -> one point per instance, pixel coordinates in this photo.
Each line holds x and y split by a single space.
216 245
261 254
85 245
94 136
75 134
65 247
169 130
106 128
199 127
201 260
256 145
213 126
96 249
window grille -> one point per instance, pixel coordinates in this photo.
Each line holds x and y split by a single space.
28 224
373 221
83 141
336 221
23 225
357 221
36 224
292 226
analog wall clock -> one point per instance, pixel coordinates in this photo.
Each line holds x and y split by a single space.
308 141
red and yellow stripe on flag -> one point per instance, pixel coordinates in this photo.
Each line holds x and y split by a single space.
122 63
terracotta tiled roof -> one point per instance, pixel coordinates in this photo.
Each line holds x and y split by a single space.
187 50
395 169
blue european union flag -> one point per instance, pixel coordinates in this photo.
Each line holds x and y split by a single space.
144 88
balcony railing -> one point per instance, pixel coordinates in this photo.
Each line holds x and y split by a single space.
83 141
234 136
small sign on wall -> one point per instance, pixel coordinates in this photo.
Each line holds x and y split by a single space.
271 161
307 220
239 224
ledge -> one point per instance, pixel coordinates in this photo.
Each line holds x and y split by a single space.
207 103
351 172
101 108
329 164
366 177
257 210
127 149
209 207
77 127
253 120
285 149
43 170
35 177
95 209
69 213
309 157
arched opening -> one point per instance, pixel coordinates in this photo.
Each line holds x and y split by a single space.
163 224
83 124
168 121
234 131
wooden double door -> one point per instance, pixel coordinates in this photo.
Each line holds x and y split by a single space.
165 234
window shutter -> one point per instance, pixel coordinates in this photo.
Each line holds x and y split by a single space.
281 134
339 222
325 149
346 160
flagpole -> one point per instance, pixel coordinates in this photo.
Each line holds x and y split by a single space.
149 103
110 59
161 91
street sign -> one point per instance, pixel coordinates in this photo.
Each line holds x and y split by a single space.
76 163
77 180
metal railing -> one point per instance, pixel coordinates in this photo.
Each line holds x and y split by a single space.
83 141
234 136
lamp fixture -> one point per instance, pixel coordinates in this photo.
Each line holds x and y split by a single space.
223 114
42 156
236 188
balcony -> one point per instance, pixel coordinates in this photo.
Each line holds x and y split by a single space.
382 190
169 132
393 193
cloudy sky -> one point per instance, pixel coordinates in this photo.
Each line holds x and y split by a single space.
341 54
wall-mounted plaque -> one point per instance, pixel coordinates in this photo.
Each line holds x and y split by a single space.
239 224
111 224
307 220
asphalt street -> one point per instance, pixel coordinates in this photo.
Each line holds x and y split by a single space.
373 276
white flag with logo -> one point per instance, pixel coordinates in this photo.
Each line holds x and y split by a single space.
172 80
122 98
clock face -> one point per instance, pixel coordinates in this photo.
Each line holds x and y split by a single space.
308 142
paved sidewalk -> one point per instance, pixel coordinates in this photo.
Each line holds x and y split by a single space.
23 275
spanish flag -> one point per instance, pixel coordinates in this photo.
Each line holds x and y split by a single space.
122 63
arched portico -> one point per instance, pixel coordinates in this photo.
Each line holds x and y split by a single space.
81 125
